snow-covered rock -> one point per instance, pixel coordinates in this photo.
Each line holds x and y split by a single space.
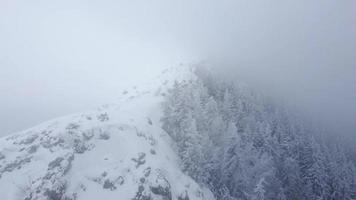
118 151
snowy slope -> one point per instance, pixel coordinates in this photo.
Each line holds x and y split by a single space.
118 151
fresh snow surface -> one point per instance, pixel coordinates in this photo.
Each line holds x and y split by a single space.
118 151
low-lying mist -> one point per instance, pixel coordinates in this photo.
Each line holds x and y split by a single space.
301 52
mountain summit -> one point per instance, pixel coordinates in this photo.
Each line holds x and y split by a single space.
118 151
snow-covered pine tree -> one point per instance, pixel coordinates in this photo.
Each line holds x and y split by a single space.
245 147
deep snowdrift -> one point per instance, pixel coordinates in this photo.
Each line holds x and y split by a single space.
116 152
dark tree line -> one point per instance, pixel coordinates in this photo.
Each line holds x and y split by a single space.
242 146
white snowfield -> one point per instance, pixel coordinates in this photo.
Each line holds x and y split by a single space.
117 152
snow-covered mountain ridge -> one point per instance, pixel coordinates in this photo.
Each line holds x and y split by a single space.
118 151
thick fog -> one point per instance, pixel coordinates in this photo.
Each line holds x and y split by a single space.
59 57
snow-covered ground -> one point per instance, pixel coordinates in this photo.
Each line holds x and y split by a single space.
118 151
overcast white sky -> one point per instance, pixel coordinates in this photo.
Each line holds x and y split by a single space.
59 57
